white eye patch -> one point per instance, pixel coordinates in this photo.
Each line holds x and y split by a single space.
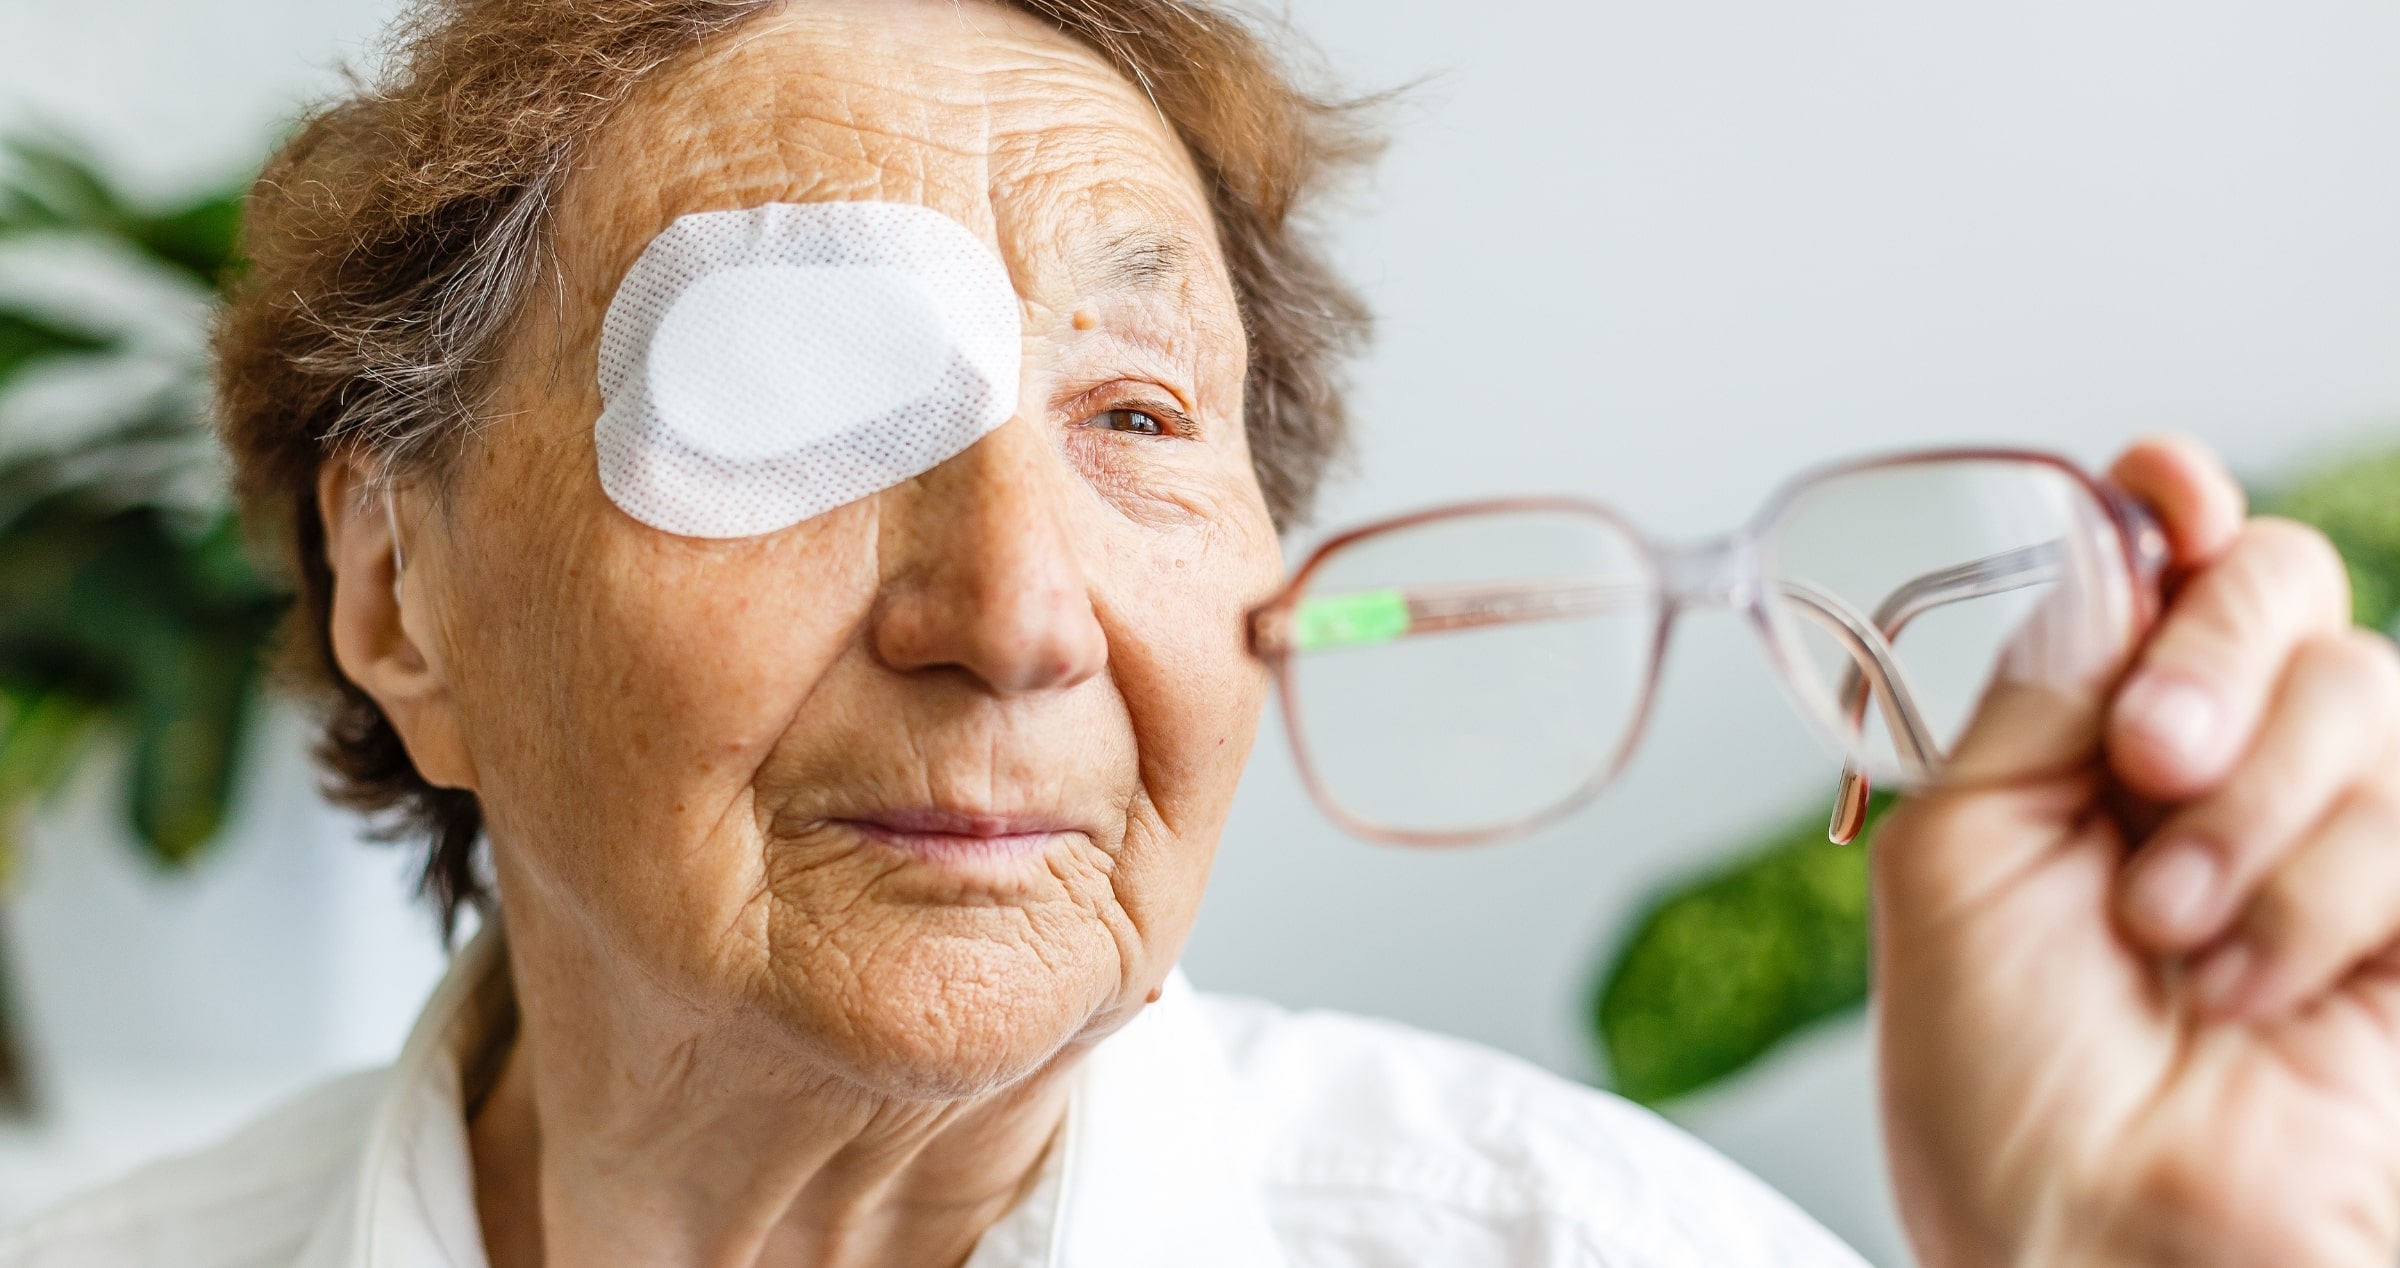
763 366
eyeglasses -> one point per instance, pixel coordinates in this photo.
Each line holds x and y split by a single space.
1471 673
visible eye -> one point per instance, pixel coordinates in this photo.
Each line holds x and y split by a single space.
1138 422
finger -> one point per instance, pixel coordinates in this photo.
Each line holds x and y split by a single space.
2198 503
2332 727
2189 708
2334 905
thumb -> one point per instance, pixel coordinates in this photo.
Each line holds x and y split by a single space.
2026 768
2024 780
2045 709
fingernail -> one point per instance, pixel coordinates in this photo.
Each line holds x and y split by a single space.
2174 713
2175 890
2219 984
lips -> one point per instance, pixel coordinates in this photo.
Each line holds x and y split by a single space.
950 834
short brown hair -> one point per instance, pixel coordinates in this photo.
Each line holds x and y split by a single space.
393 240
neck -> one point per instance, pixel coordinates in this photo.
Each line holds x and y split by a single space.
610 1136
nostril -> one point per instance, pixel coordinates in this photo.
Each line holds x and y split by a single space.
1012 638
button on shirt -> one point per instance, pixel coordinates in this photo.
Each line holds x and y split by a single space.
1209 1133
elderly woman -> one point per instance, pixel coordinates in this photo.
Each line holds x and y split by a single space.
837 824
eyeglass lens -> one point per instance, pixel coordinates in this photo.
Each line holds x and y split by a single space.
1470 671
1964 574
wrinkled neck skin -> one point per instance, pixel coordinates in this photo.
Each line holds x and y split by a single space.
629 1127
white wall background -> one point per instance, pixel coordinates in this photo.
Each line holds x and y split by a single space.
1658 253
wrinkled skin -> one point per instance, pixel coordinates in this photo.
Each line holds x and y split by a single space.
759 1029
674 738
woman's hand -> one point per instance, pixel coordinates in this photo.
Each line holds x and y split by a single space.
2149 1013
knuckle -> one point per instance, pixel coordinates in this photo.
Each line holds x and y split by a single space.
2250 820
2291 559
2282 918
2375 807
2316 925
2206 656
2363 668
2370 661
2361 672
2338 892
2213 637
2179 1190
2376 651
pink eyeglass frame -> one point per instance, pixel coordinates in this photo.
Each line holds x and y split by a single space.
1721 572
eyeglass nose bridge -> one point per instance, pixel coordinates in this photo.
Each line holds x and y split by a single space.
1721 572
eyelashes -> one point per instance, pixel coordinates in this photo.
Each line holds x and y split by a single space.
1137 422
1142 416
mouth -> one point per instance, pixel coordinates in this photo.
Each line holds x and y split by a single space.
954 836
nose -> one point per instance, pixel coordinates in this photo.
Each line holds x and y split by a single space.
981 573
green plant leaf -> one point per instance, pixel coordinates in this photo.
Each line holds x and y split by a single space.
2356 504
53 184
25 339
16 1092
202 238
43 732
153 624
190 713
1723 968
117 609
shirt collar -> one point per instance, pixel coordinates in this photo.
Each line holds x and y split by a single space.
1162 1157
1157 1165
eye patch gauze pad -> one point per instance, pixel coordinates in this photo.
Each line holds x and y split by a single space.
759 367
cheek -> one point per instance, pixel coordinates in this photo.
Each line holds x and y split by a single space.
1177 603
621 695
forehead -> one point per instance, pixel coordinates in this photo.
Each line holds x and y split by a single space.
985 114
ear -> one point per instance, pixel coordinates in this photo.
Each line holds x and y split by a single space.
385 621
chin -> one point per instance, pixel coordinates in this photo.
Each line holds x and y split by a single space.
943 1013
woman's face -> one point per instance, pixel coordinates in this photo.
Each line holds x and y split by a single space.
927 785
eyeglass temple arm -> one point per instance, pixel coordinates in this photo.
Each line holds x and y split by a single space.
1426 610
1380 616
1873 665
1975 579
1471 607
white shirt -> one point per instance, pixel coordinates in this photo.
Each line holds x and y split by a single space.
1209 1133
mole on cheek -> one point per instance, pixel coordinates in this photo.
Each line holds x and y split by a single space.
1084 320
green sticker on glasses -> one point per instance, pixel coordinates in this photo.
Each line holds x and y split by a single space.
1348 620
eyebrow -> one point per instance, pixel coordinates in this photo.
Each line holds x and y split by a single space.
1146 260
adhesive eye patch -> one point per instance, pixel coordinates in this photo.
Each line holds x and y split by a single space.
763 366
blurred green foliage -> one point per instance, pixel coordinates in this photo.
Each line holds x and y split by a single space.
1724 967
2357 504
25 339
52 185
123 616
122 611
125 610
